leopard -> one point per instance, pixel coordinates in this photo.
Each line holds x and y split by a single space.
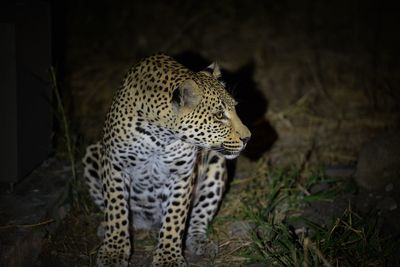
161 161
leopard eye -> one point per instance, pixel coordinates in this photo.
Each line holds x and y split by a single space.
220 115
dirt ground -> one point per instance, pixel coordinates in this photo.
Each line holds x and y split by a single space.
315 81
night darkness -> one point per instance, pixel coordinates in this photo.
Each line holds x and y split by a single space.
317 84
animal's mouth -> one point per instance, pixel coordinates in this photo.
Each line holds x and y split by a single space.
227 153
231 155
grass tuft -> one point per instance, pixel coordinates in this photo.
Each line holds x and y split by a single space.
70 140
350 240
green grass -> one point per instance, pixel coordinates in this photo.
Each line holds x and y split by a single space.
68 147
65 125
277 204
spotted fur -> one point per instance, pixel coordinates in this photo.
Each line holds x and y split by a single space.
161 160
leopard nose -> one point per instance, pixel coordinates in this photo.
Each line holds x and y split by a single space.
245 139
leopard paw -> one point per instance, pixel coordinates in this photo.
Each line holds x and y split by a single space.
107 257
167 259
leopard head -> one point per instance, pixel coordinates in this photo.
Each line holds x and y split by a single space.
206 115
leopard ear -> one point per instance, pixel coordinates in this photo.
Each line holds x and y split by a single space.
214 70
187 96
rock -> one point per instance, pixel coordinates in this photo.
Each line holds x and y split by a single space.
389 187
320 187
241 229
379 162
387 204
339 171
32 211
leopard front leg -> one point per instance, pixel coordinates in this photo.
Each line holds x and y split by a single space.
211 181
116 247
175 211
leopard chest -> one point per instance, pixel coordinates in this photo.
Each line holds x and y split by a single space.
152 177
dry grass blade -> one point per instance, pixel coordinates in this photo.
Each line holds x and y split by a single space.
46 222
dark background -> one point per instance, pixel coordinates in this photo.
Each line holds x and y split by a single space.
306 73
